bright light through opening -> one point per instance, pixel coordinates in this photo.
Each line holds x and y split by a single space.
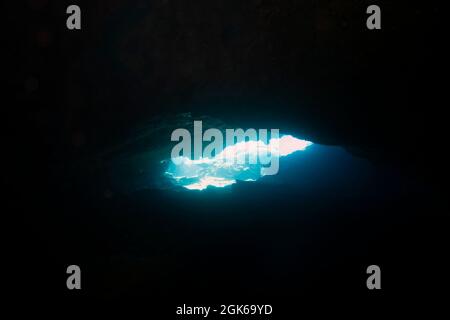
224 170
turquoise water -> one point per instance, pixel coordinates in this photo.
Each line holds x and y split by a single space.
244 161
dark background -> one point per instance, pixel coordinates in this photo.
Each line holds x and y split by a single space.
311 67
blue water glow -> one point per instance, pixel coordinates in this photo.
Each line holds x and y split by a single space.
233 163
